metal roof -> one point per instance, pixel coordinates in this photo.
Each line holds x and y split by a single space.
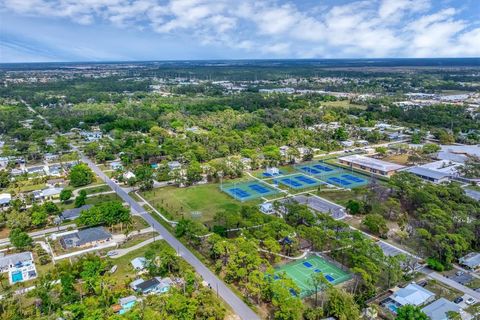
439 308
372 163
74 213
424 172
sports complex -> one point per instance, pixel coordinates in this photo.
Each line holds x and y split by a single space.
302 176
302 271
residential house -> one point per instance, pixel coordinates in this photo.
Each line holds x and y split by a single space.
16 172
173 165
72 214
267 208
47 194
38 170
128 175
5 199
471 260
139 263
153 285
412 294
55 170
91 136
438 310
55 182
20 266
85 238
116 165
51 157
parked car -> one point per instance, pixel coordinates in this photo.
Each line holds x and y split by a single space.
422 283
458 300
112 253
470 301
459 273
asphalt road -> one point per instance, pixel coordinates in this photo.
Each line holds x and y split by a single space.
237 305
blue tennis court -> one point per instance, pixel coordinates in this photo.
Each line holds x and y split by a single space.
345 179
301 272
316 168
298 181
244 191
352 178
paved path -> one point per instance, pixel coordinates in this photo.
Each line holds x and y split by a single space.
472 194
237 305
449 282
122 252
41 233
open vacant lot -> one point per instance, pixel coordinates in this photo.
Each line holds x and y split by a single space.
206 199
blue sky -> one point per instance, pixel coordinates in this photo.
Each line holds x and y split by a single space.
108 30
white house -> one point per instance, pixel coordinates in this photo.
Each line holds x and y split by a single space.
20 266
412 294
5 199
172 165
267 208
128 175
139 263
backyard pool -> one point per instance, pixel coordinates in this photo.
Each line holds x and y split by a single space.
17 276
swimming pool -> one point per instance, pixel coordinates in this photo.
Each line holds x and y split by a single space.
17 276
127 306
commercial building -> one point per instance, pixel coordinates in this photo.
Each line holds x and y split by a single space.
371 165
437 171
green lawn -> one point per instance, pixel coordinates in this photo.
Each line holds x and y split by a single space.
207 198
97 189
92 200
340 196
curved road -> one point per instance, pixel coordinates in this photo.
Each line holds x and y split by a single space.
237 305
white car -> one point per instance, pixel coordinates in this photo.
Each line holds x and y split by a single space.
112 253
470 301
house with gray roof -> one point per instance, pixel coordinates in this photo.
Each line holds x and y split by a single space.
16 259
72 214
412 294
85 238
438 310
471 260
153 285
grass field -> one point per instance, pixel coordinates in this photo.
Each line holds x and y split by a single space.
301 272
207 198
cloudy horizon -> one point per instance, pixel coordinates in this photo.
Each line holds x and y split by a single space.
132 30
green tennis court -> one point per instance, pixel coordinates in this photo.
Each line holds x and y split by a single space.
301 272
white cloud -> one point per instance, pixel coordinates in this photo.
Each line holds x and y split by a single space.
360 28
